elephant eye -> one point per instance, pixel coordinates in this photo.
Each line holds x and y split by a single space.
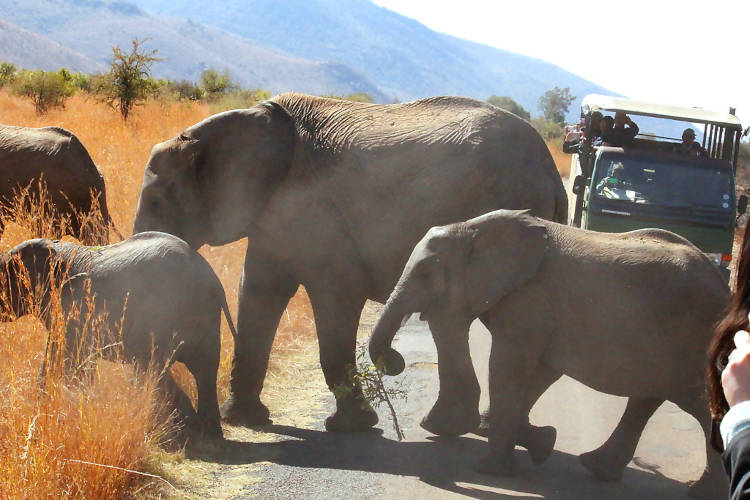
154 203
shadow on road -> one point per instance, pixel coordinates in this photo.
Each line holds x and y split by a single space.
444 463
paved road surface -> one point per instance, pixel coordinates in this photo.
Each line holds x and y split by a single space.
303 461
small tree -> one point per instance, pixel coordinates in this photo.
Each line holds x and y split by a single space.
554 104
129 79
7 73
46 89
215 84
508 104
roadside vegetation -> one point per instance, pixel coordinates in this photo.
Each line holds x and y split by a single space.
50 439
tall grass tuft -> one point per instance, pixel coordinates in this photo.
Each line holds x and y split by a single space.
83 428
33 210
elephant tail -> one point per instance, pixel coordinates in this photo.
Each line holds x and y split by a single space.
225 309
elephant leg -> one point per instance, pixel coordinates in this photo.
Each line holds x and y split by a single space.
539 441
608 462
336 320
184 414
713 482
263 296
511 374
204 368
456 410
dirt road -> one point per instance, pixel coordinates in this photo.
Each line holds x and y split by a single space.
296 458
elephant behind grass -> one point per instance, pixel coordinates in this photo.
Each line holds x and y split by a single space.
49 178
151 294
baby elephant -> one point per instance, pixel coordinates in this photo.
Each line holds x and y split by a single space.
159 293
629 314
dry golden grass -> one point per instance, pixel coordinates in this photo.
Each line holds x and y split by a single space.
83 418
562 160
57 439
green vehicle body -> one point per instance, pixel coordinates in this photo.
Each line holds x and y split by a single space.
690 196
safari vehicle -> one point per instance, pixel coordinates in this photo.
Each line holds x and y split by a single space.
647 184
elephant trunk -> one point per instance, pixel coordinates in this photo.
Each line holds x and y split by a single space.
382 336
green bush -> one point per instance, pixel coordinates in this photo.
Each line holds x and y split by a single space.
215 84
46 89
548 129
7 73
508 104
239 99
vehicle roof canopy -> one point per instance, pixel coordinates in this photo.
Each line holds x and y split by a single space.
596 102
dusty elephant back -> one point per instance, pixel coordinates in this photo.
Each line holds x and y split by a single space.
381 165
648 296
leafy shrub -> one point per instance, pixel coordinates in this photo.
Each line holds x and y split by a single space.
238 99
548 129
128 82
46 89
508 104
7 73
215 84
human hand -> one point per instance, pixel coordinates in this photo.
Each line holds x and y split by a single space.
735 379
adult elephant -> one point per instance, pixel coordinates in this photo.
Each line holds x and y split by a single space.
55 158
628 314
333 195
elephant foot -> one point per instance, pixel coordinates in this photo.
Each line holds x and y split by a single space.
247 413
498 465
540 442
445 420
602 466
206 430
710 485
352 415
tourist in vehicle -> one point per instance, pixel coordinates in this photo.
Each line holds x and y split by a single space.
606 124
622 133
586 132
729 382
689 146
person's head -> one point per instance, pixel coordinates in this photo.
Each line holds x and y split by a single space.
722 343
688 136
620 119
618 171
606 123
596 117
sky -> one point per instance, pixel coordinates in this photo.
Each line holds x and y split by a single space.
692 53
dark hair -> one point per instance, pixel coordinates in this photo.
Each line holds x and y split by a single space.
608 120
722 343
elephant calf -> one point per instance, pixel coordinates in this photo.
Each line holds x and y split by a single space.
160 294
629 314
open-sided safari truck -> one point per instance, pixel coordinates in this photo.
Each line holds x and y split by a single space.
649 184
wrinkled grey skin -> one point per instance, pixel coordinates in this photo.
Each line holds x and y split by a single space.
627 314
171 297
333 195
56 156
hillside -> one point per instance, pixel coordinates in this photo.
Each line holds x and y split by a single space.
92 27
29 50
401 56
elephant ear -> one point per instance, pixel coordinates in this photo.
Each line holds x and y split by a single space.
243 165
506 251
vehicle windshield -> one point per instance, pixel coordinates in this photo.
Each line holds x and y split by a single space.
664 183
